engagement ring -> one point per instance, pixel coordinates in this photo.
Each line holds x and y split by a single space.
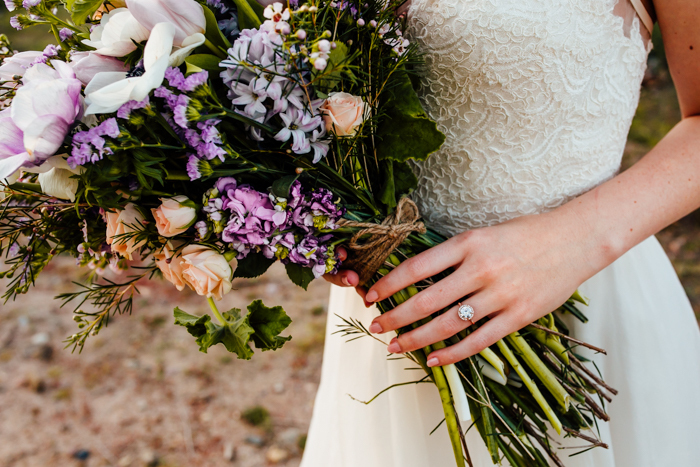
465 313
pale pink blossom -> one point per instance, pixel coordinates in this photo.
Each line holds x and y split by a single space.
206 271
175 215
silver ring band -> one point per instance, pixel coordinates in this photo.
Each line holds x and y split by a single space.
465 313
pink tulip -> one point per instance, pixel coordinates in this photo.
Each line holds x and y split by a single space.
186 15
87 64
41 114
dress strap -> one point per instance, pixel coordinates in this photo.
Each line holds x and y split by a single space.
643 14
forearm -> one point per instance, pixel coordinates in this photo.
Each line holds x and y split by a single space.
658 190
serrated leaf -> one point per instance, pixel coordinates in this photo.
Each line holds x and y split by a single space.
82 9
196 325
406 132
213 33
253 265
268 324
250 14
237 333
300 275
281 186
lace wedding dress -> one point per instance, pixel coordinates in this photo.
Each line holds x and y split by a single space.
536 98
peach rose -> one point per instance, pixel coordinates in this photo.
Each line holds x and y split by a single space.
206 271
343 113
121 222
175 215
170 264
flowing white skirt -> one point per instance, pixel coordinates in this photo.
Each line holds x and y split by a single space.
639 313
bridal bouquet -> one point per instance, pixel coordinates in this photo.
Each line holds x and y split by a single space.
205 140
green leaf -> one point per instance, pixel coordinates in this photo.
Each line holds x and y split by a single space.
81 9
268 324
387 195
213 33
300 275
281 186
235 333
332 75
406 132
196 325
405 181
253 265
250 14
207 62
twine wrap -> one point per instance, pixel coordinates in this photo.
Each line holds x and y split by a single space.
366 256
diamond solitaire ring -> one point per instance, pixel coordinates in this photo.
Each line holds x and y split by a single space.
465 313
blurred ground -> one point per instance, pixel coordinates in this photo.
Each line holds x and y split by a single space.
142 395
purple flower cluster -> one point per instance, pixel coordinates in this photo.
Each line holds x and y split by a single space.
260 87
89 146
203 137
125 110
289 229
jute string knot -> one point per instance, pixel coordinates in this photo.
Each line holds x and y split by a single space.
367 255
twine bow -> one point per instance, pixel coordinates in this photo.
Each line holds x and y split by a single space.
368 255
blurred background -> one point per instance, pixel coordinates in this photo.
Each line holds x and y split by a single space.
142 395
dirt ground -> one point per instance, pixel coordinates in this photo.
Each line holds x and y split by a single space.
141 394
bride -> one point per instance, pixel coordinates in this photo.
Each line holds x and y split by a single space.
536 98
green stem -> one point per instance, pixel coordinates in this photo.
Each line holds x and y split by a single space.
215 310
177 175
217 51
34 187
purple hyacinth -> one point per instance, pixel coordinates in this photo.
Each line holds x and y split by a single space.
89 146
65 33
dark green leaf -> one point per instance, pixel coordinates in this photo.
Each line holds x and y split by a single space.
207 62
250 14
81 9
237 333
405 181
406 132
268 324
387 194
196 325
281 186
253 265
213 33
300 275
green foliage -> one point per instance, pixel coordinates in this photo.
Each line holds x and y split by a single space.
399 180
81 10
281 186
406 131
300 275
253 265
213 34
207 62
260 324
250 14
337 65
256 416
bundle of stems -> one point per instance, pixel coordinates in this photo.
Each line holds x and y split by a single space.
518 390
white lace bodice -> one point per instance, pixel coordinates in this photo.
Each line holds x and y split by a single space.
536 98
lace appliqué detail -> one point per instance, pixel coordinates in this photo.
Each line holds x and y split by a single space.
536 98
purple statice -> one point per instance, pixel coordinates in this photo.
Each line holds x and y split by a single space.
10 5
125 110
198 168
178 81
15 23
27 4
65 33
206 140
90 146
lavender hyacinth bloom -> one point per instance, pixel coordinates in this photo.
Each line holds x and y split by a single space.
297 124
64 33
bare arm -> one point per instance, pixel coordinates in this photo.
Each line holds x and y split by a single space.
518 271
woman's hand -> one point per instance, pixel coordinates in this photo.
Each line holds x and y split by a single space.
513 273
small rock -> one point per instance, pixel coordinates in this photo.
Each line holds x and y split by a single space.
289 438
255 440
150 458
276 455
278 388
125 461
229 452
81 454
40 338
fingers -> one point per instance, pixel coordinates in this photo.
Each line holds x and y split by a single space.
444 326
425 303
362 292
487 335
342 253
426 264
343 278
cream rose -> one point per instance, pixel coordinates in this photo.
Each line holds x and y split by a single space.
343 113
175 215
120 222
206 271
170 264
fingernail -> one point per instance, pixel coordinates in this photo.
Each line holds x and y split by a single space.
432 361
394 346
345 281
372 296
375 328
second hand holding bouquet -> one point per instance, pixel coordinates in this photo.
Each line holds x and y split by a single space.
212 139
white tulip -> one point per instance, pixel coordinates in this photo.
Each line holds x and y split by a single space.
116 34
110 90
